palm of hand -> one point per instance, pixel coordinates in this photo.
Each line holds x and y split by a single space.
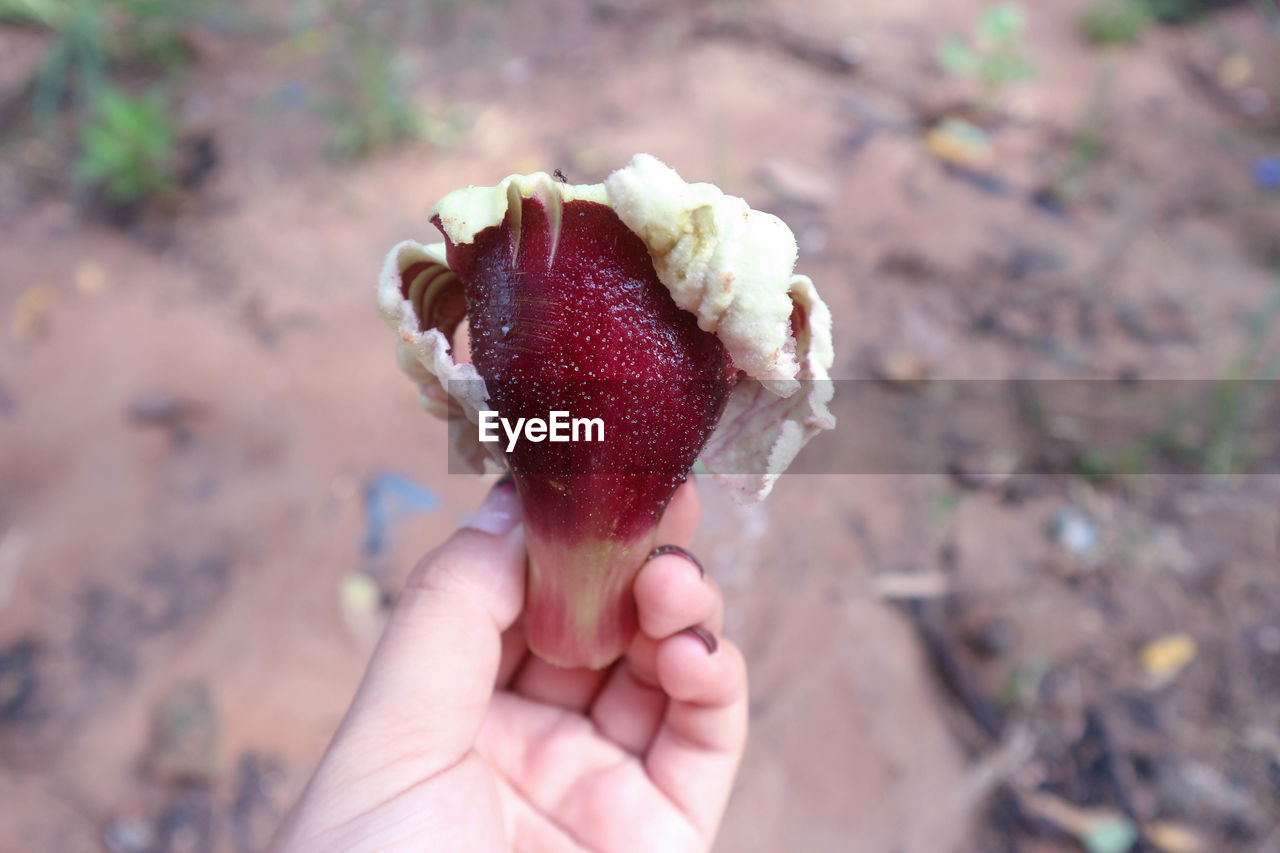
609 761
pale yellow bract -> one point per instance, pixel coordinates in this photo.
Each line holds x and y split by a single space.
730 266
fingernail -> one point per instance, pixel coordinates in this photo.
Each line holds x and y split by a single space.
676 549
499 513
708 639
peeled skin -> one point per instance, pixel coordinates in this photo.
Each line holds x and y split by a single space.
668 310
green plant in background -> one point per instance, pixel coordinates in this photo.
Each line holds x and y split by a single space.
1270 12
127 148
41 13
1115 21
1236 402
1211 434
75 61
89 35
1090 140
369 106
996 52
1180 11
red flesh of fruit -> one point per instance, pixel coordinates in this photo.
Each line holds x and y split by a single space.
591 331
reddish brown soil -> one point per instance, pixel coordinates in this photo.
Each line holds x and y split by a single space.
137 557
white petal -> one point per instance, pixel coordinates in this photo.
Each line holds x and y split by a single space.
727 264
465 213
445 388
760 432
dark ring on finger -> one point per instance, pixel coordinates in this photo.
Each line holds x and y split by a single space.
676 549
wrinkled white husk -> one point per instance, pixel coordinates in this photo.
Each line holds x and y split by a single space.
761 432
730 266
425 355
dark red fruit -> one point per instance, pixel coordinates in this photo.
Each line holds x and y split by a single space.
574 318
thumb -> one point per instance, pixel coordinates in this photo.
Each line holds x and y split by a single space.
428 686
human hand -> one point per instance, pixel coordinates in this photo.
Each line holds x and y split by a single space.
460 739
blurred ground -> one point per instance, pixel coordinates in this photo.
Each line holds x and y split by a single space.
196 398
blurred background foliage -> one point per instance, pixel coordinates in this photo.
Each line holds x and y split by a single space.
104 62
112 75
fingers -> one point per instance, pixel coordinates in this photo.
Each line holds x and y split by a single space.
515 651
695 743
696 751
672 589
672 595
630 706
428 685
575 689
